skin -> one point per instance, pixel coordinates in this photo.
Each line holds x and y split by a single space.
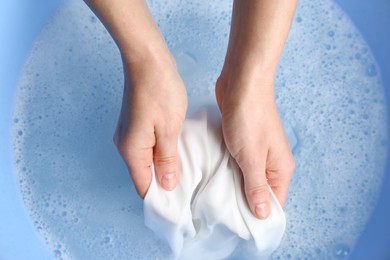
155 101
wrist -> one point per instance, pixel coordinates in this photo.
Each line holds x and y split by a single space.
245 77
147 55
148 62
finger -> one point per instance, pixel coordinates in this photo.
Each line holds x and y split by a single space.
137 152
281 191
142 178
279 176
255 184
138 163
166 161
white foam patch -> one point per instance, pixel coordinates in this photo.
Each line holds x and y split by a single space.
76 187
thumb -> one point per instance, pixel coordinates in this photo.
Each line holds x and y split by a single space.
166 161
255 184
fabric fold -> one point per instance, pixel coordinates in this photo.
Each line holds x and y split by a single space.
207 214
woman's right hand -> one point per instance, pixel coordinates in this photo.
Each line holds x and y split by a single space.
154 100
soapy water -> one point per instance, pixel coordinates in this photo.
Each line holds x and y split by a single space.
77 189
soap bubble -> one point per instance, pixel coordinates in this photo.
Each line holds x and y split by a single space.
371 70
57 253
341 251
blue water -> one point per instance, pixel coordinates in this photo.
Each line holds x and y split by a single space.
76 187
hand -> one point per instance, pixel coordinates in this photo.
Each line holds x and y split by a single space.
153 110
154 100
255 138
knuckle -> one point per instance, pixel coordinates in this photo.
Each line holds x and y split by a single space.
258 190
124 147
120 144
169 131
162 161
246 161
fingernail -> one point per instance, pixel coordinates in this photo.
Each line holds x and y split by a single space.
168 181
261 210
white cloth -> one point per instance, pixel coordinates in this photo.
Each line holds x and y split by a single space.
207 214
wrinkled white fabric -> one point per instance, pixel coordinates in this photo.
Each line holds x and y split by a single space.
207 214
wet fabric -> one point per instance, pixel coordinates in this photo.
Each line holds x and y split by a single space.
207 214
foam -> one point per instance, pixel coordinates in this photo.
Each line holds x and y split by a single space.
76 187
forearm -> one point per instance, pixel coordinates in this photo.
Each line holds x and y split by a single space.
132 27
258 34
